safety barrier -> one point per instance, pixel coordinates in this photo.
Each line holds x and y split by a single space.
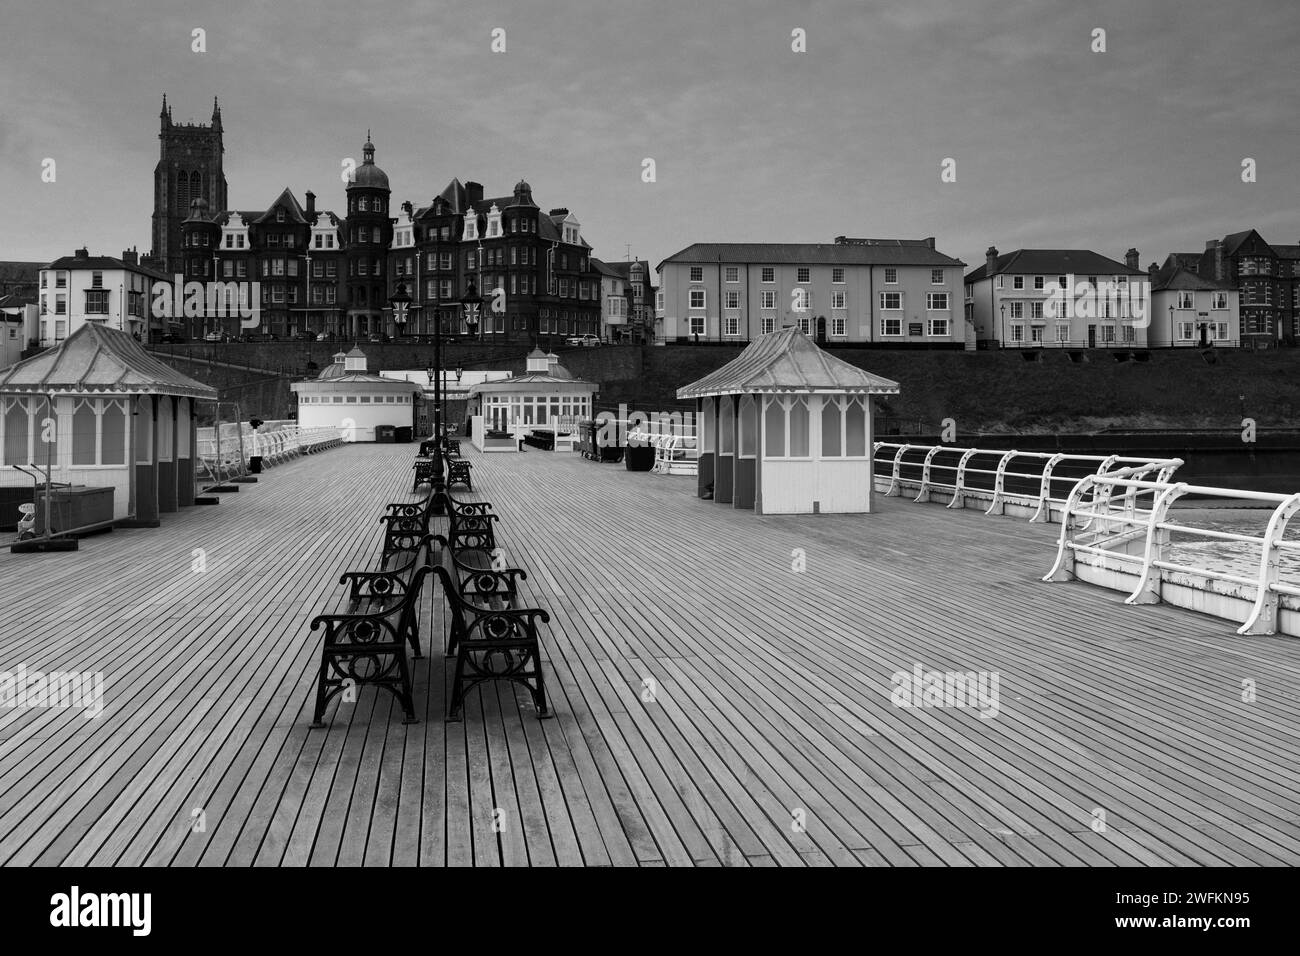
279 442
1011 482
1123 545
674 454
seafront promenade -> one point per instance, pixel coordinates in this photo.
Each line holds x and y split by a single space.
721 683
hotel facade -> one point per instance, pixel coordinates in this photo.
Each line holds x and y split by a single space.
887 292
1015 300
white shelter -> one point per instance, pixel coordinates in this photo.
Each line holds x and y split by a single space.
348 397
785 428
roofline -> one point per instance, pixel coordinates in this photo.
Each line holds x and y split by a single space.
794 390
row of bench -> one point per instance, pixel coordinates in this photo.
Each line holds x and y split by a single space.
490 635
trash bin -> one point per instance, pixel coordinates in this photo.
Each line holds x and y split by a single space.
639 458
384 433
255 464
402 434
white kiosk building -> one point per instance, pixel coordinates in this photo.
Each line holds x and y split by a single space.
348 397
785 428
545 398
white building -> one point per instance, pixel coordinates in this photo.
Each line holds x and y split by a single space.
546 396
83 288
346 396
1012 300
896 292
19 326
1189 310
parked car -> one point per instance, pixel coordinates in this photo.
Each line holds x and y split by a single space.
378 338
304 336
217 336
323 337
588 340
171 338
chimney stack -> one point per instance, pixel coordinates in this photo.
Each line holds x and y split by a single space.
929 241
311 205
474 192
990 261
130 257
1216 246
1131 259
83 253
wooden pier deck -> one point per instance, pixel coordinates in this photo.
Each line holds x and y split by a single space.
713 706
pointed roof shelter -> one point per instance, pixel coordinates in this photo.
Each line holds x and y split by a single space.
96 359
786 428
787 361
118 409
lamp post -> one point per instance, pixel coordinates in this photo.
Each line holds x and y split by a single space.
1003 308
1171 325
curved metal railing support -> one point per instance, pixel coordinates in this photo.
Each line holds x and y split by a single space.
1148 586
999 484
1263 615
924 493
1044 510
1063 568
958 493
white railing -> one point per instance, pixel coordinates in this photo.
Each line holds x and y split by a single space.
674 454
1027 481
273 442
1127 546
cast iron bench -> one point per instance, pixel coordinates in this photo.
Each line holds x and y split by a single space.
370 648
458 473
492 644
478 582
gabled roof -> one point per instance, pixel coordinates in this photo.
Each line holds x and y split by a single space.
99 359
606 269
15 301
1176 277
286 199
787 361
1234 241
1287 252
901 252
1053 262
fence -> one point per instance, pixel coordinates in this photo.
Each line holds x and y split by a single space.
224 450
675 454
1011 482
1128 545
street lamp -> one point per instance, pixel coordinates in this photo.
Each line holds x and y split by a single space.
1171 325
1003 307
459 372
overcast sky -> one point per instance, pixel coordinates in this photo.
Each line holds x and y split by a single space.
1055 145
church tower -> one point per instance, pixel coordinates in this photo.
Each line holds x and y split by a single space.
189 167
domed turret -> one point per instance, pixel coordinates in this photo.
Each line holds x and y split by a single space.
368 175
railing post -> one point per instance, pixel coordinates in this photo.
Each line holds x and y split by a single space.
895 487
924 493
1044 511
1063 569
1263 616
959 485
999 484
1148 586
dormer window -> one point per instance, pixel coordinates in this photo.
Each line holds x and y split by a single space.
279 214
494 222
471 227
